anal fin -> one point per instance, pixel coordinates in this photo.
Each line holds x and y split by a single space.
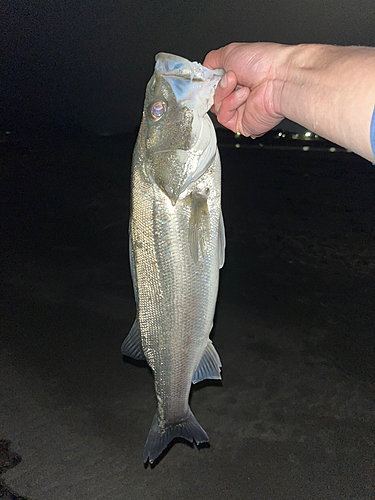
209 366
132 345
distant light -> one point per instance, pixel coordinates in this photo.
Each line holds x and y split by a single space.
283 135
237 134
306 148
316 136
295 136
308 134
237 145
8 132
280 134
349 151
261 144
332 150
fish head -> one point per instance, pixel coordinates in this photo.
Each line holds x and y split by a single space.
177 138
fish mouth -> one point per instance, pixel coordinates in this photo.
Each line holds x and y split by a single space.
193 86
179 67
191 83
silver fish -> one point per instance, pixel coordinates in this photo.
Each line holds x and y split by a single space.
177 243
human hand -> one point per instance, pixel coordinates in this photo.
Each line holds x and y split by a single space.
247 97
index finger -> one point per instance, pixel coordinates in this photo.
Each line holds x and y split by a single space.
214 59
222 58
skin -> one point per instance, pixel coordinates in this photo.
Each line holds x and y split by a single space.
330 90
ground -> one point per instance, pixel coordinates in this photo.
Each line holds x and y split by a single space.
294 415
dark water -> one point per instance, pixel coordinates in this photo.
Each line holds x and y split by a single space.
294 328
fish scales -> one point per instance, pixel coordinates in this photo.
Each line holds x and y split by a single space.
177 247
178 296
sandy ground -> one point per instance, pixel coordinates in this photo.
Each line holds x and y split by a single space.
294 415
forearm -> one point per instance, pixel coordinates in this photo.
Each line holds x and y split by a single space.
331 91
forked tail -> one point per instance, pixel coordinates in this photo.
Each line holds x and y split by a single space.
159 437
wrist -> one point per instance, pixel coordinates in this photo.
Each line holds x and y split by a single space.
283 72
293 72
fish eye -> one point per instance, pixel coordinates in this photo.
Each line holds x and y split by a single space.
157 110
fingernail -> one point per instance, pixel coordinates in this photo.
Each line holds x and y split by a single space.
223 82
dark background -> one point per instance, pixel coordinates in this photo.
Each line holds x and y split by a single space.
294 415
84 64
293 418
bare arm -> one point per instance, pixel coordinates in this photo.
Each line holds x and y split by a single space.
328 89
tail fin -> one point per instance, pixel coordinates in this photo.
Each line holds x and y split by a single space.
158 438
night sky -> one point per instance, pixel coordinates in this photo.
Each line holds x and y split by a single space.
84 65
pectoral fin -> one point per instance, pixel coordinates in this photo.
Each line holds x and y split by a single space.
132 345
209 366
199 225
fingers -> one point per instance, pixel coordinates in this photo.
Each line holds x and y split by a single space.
213 59
248 67
232 109
219 58
229 102
226 86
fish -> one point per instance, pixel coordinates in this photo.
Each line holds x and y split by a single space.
176 244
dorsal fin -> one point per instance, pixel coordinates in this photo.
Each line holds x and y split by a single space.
132 345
